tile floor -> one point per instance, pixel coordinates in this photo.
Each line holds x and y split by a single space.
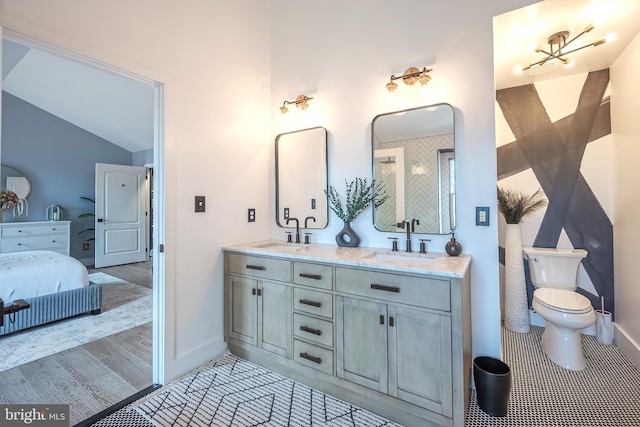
605 394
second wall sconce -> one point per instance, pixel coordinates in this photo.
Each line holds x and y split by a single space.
302 102
410 77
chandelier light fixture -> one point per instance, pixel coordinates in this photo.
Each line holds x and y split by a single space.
560 45
302 102
410 77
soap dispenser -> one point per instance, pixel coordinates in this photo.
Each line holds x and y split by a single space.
453 247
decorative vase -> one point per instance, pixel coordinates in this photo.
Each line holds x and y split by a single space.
347 237
453 247
516 312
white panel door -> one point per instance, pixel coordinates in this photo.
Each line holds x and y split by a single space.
121 217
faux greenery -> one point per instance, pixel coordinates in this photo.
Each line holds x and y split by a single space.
87 215
359 195
514 205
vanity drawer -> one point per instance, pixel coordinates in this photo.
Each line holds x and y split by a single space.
312 329
315 275
313 302
36 230
419 291
313 356
34 243
255 266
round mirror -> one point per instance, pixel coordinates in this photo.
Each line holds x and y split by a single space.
14 180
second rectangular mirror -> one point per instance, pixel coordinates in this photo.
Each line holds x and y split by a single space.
414 158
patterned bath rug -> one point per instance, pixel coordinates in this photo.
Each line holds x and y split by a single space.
234 392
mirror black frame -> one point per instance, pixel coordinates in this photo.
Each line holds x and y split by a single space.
450 212
311 225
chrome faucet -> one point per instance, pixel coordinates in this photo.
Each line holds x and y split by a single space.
297 228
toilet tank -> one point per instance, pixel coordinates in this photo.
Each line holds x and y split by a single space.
554 268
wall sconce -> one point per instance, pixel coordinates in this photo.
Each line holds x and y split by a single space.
557 43
302 102
410 77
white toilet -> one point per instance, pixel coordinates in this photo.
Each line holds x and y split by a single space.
554 274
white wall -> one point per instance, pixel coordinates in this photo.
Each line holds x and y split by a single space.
625 103
213 58
227 66
343 53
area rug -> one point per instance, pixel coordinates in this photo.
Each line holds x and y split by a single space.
234 392
124 306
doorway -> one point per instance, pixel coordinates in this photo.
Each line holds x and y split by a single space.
150 271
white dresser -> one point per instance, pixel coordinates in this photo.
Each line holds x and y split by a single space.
35 235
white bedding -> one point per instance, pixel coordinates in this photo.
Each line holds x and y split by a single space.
29 274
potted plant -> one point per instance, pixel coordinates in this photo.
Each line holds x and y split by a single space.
88 215
514 205
359 195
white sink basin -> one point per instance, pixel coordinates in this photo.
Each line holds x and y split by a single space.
401 257
279 246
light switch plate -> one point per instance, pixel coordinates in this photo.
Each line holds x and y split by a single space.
200 204
482 215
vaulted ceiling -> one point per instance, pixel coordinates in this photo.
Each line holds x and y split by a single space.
110 105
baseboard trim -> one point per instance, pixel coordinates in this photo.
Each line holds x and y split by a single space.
116 407
628 346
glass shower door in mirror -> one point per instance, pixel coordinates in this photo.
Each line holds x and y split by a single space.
414 158
301 178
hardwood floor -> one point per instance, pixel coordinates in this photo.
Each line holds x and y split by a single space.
93 376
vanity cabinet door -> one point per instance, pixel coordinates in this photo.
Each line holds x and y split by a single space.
243 320
420 370
274 314
260 314
362 342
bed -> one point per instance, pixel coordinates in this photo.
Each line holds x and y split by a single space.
56 286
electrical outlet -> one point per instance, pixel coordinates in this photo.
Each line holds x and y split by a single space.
313 203
251 215
85 246
482 215
200 204
286 213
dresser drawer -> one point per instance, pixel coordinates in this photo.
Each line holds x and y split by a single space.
36 230
315 275
313 356
419 291
312 329
313 302
34 243
255 266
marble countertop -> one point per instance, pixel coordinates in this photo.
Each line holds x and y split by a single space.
435 263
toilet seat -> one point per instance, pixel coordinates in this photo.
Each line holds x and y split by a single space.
562 300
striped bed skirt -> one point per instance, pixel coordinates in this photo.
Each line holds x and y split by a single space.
49 308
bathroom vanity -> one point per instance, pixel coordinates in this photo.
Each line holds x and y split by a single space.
387 331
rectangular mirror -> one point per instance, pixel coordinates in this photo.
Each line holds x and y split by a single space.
301 178
413 156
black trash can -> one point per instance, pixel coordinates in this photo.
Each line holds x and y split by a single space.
493 384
